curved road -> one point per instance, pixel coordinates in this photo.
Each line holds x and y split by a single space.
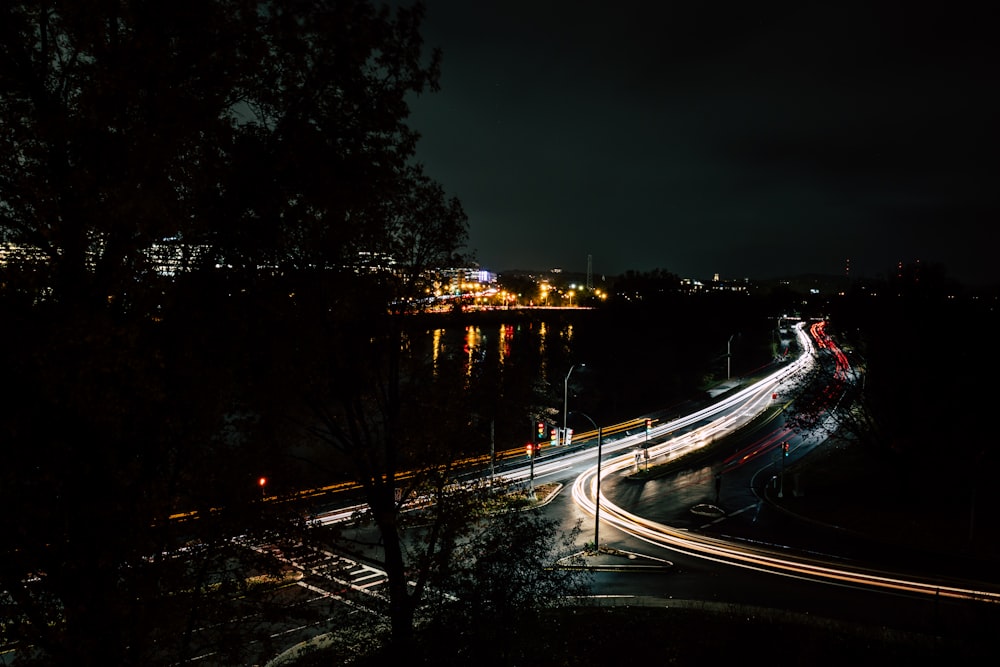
737 528
746 552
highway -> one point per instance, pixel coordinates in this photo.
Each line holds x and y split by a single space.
776 558
763 555
737 549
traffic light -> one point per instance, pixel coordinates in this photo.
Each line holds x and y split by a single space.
540 431
529 449
649 424
784 448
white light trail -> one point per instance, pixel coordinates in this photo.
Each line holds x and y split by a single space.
755 558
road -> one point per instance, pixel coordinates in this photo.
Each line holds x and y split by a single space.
695 579
737 548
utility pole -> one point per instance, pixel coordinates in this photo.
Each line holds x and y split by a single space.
597 493
729 357
597 497
781 480
533 445
566 396
493 454
531 478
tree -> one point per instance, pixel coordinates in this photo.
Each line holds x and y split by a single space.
507 564
266 141
507 570
908 403
265 129
903 379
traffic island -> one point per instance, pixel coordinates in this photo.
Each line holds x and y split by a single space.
657 466
608 559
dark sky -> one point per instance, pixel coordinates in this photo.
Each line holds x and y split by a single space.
749 139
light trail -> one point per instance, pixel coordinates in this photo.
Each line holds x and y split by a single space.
755 558
752 557
744 405
724 416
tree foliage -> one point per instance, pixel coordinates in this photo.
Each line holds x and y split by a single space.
508 569
264 147
507 565
274 132
913 387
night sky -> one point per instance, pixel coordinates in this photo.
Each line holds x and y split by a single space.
754 140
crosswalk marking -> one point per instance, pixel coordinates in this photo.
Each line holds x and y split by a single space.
327 570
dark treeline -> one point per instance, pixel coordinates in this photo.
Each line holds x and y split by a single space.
922 340
651 355
261 147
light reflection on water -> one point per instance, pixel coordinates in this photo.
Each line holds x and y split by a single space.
505 339
472 348
475 347
436 344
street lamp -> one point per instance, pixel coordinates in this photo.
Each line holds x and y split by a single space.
566 396
597 493
728 356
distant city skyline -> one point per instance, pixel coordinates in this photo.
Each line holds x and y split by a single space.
745 140
845 271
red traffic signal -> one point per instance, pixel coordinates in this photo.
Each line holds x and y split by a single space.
649 424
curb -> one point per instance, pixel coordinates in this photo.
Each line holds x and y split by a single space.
658 564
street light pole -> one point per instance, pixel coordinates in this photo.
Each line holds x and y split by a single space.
566 398
597 494
597 497
729 357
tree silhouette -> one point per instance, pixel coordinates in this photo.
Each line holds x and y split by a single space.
263 147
